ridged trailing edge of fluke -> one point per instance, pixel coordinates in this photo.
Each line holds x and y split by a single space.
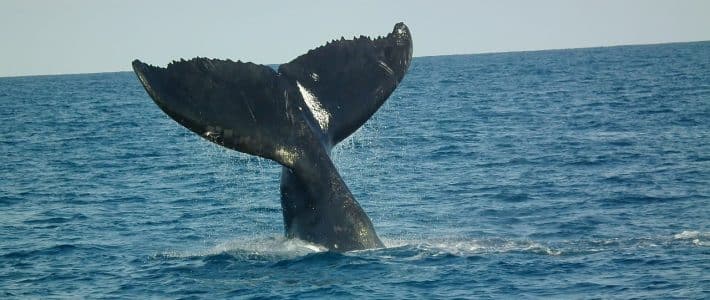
293 116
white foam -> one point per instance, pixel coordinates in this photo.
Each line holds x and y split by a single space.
267 248
459 247
319 113
687 234
698 238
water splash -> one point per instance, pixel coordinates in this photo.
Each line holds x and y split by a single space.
268 248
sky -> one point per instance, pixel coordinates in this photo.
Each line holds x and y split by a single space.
87 36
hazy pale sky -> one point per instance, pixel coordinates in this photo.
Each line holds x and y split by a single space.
84 36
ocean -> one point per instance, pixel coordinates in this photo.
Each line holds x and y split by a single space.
581 173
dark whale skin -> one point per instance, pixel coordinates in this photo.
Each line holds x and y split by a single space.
294 116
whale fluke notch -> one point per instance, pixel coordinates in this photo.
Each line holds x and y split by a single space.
293 116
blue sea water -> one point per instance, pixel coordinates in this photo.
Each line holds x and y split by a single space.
578 173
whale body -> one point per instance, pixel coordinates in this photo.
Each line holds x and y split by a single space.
294 116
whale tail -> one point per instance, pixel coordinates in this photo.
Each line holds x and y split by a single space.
293 116
331 90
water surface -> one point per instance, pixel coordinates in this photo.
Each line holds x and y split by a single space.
569 173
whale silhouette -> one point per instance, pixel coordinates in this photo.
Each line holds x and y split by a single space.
294 116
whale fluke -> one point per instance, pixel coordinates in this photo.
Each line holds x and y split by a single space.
293 116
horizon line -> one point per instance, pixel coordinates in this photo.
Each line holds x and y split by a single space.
422 56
